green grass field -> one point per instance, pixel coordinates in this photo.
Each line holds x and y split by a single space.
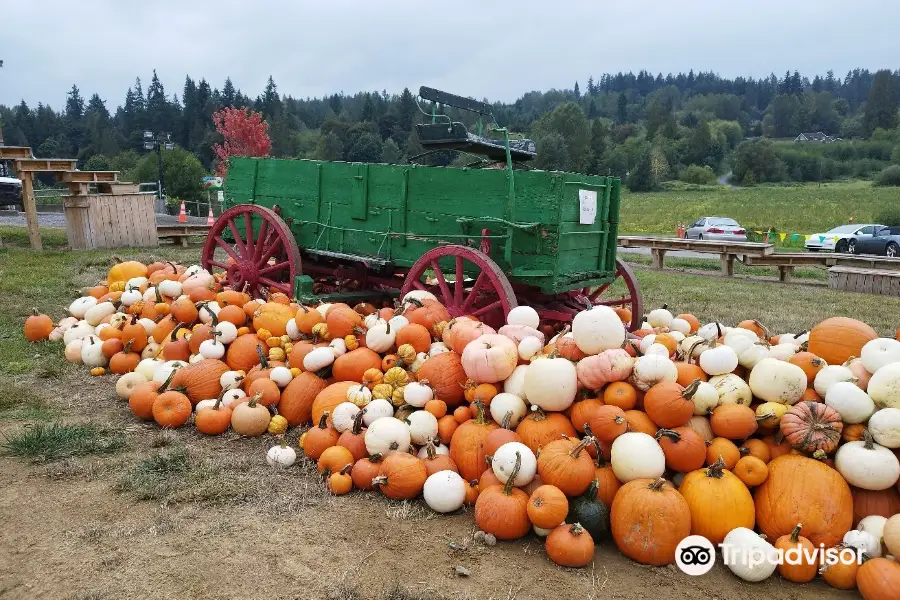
805 209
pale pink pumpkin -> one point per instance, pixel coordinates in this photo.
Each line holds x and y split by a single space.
459 332
517 333
610 365
490 358
859 371
197 281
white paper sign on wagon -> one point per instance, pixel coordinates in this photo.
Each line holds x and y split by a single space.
588 201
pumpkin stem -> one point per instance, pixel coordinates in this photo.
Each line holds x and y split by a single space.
672 435
690 352
537 413
174 335
765 329
795 534
379 480
376 458
576 451
576 529
283 442
219 399
716 470
691 389
507 419
127 348
429 448
358 421
479 413
346 468
657 485
255 398
262 357
598 461
166 383
323 420
507 489
869 441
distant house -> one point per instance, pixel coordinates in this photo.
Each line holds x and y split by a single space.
816 137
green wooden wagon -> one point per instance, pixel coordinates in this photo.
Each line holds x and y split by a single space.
482 238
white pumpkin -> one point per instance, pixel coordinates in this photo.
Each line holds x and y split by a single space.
417 394
748 555
281 376
541 532
73 351
323 309
170 288
92 353
231 379
750 357
343 416
420 295
380 337
444 491
421 357
874 525
830 375
225 331
149 325
660 317
783 351
397 323
386 435
884 387
598 329
646 342
884 426
438 348
423 426
292 330
127 383
339 347
529 347
505 404
162 373
377 410
711 331
80 306
852 403
891 535
195 358
232 398
774 380
60 330
504 463
739 343
523 315
281 455
867 465
658 350
192 270
718 360
360 396
78 331
207 311
515 383
130 296
693 345
438 449
680 325
705 398
732 389
148 367
212 348
879 352
650 370
636 455
151 350
318 358
863 540
739 333
551 383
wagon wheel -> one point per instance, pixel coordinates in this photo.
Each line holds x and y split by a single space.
488 297
256 261
629 298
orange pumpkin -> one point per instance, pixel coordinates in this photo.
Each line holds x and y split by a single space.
401 476
38 327
639 421
319 438
608 423
733 421
878 579
669 405
502 510
683 448
142 398
243 352
582 412
800 569
811 426
446 377
751 470
435 462
540 428
329 398
570 546
306 319
721 448
351 366
621 394
274 317
756 447
171 409
718 501
688 373
343 321
804 490
467 444
607 483
648 519
885 503
415 335
837 339
691 319
213 420
364 471
809 362
547 507
566 464
427 312
298 396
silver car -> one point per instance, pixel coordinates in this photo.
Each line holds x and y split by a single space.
717 229
838 239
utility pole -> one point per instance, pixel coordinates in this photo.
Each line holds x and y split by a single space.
156 142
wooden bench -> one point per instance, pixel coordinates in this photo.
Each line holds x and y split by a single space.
787 261
181 233
868 281
727 251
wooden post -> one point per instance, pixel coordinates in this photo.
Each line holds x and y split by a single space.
785 273
659 258
31 217
727 264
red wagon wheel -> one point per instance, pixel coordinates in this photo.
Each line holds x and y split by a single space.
630 298
263 255
442 271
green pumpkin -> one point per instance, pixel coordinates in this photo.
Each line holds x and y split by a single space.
592 513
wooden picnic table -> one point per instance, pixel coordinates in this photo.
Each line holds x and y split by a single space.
727 251
787 261
181 232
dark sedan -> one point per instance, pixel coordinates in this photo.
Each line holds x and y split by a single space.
884 242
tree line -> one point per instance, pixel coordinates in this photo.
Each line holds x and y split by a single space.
648 127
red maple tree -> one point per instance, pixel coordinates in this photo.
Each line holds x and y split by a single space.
245 133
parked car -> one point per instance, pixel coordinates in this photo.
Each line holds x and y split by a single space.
884 242
718 229
10 192
838 239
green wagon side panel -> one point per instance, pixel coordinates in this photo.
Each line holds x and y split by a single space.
399 212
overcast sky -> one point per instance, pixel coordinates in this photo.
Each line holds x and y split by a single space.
488 48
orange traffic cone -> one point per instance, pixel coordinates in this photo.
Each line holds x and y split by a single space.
210 218
182 214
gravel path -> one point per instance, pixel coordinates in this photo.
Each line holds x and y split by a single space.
58 220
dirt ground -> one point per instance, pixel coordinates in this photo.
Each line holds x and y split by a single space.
133 512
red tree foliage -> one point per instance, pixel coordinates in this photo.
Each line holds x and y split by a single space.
245 133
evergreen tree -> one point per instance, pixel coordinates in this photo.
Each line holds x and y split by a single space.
228 93
577 91
642 177
158 109
329 147
406 112
335 104
390 152
622 108
881 106
74 104
368 111
591 89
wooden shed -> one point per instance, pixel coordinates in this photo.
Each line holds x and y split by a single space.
111 220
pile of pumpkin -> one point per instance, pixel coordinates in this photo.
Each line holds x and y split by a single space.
580 435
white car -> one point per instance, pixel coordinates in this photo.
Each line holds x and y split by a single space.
837 239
